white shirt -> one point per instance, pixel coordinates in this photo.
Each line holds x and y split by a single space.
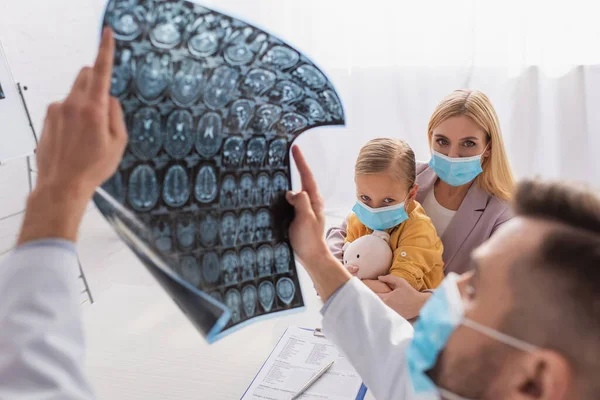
41 336
440 215
373 337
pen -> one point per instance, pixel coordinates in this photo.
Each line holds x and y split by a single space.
312 381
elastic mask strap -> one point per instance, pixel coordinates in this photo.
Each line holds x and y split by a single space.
501 337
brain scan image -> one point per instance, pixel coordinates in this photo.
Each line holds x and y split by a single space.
249 297
280 184
234 302
286 290
212 106
180 134
170 23
209 135
176 187
265 117
186 233
143 189
264 260
240 114
206 184
162 236
228 196
266 295
286 92
258 81
245 190
220 88
256 152
211 268
262 191
248 263
277 152
233 152
228 229
145 136
187 83
153 75
190 270
283 257
246 228
290 123
122 72
263 226
230 265
209 230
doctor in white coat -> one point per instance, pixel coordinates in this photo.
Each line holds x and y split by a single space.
524 325
41 339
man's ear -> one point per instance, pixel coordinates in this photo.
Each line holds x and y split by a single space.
547 376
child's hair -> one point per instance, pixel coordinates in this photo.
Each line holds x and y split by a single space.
387 155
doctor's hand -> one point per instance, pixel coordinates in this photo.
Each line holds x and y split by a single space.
403 298
81 146
307 234
306 231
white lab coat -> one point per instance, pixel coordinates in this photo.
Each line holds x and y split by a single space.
373 337
41 336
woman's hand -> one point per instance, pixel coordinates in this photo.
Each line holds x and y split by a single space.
403 298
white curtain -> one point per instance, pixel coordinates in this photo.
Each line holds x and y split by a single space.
391 61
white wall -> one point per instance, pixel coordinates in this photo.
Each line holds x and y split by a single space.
550 122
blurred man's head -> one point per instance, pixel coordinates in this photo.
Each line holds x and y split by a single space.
537 279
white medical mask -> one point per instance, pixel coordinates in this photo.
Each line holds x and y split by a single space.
438 319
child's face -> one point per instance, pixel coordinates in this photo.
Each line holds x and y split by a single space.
380 190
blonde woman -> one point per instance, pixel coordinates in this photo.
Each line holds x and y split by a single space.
465 188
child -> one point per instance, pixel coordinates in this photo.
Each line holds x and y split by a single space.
385 191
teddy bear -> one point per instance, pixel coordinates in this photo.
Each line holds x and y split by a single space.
371 254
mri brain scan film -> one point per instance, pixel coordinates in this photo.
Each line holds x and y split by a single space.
212 105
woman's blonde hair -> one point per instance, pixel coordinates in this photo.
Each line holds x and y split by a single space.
496 178
387 155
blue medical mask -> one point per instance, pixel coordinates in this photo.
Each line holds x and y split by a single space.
456 171
380 219
438 319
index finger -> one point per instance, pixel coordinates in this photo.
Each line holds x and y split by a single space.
103 66
308 181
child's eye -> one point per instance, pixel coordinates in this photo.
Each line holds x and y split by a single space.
389 201
365 198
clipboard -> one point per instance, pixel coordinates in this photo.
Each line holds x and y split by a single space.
270 363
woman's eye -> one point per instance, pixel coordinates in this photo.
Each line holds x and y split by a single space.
365 198
389 201
469 143
442 142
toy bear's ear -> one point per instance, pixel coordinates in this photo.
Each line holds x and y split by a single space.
346 245
383 235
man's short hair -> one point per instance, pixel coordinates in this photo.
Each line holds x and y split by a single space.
557 288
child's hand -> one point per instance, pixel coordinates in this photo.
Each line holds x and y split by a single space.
353 269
